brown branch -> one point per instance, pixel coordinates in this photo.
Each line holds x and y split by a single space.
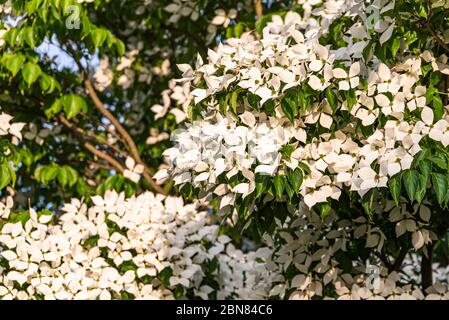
426 268
437 38
259 8
430 30
384 260
398 262
99 165
129 142
80 133
102 141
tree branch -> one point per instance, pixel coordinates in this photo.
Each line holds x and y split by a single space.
129 142
102 155
259 8
400 258
430 30
437 38
426 268
384 260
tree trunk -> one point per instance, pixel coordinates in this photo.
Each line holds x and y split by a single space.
426 268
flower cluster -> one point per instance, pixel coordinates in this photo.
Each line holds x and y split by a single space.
117 247
209 150
182 8
148 247
144 247
271 78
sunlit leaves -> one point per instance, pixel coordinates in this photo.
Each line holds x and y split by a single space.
64 175
73 105
13 62
31 72
7 175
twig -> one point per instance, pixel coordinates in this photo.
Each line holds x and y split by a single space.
259 8
398 262
102 155
431 31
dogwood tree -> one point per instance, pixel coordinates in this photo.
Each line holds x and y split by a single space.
238 149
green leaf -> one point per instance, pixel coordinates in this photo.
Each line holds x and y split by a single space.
411 181
395 188
261 184
287 151
279 185
11 36
331 98
73 105
5 176
234 98
120 46
422 188
38 172
98 36
50 173
31 72
290 103
437 104
31 6
286 109
72 175
323 209
63 177
238 30
28 36
55 108
350 98
440 185
396 45
262 22
440 160
367 203
14 63
425 167
42 13
48 83
295 178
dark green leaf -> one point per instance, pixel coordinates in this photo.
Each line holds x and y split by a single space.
440 185
411 181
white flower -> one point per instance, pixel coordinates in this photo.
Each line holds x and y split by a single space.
133 172
221 18
350 80
7 128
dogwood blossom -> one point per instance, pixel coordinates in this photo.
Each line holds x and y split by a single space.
289 57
